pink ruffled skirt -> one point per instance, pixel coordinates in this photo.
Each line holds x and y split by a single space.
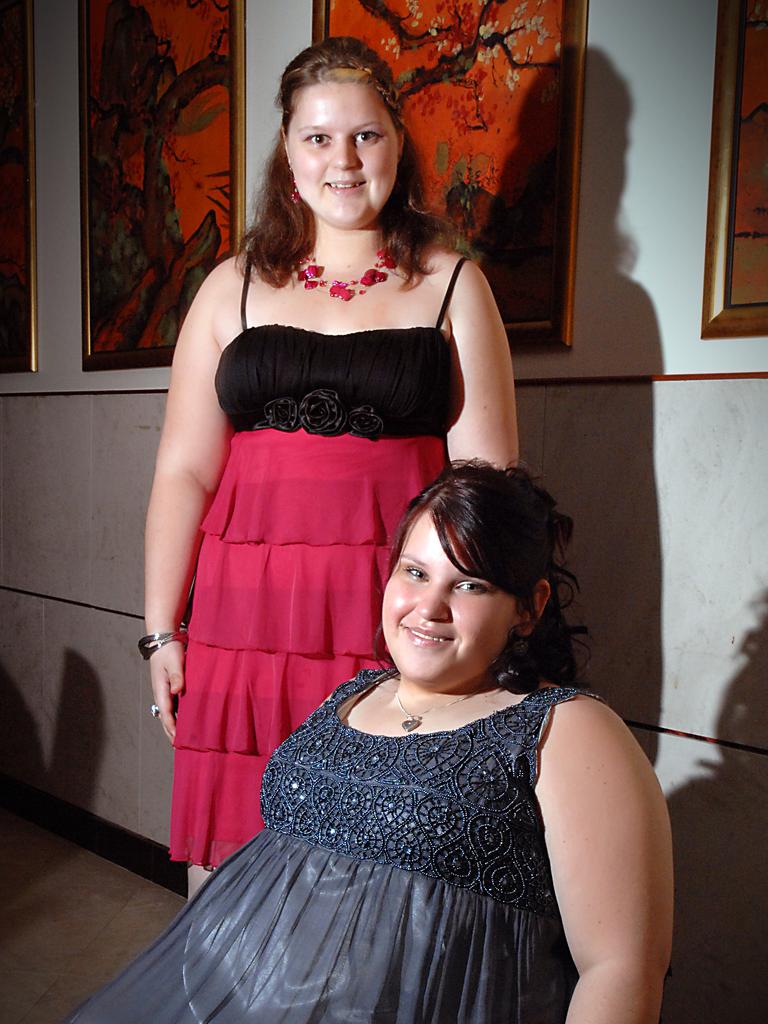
287 603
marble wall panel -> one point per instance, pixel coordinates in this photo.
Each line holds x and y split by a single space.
711 455
47 494
718 802
598 454
22 741
531 401
92 702
666 484
126 432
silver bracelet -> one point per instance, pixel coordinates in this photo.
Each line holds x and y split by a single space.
154 641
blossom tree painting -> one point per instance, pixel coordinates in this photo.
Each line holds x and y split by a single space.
491 94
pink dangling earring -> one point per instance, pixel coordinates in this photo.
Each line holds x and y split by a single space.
295 197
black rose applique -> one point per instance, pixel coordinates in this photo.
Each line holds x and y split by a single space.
364 422
280 414
321 412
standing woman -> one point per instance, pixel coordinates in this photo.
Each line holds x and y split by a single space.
316 381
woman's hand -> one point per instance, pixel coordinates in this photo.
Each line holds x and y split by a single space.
166 667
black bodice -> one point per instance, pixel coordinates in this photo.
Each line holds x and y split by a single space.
388 381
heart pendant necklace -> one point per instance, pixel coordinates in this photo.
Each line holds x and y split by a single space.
411 722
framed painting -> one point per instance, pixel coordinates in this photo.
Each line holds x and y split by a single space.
736 260
492 97
162 154
18 299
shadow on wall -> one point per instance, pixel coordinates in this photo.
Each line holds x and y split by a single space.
615 319
599 437
720 824
605 460
603 449
77 743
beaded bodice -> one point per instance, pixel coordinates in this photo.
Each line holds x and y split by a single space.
457 806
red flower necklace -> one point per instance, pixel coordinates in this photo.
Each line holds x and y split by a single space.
312 276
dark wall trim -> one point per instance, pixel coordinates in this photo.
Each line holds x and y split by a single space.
67 600
729 744
636 378
755 375
84 391
521 382
136 853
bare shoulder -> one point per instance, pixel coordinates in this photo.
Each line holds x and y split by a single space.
583 713
442 262
471 296
216 307
585 735
226 279
472 285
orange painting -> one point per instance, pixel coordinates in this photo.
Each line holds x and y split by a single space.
749 257
17 343
162 196
482 85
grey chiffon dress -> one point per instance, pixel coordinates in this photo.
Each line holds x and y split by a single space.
399 880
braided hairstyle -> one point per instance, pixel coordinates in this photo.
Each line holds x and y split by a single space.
501 526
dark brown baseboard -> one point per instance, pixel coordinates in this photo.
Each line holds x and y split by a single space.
136 853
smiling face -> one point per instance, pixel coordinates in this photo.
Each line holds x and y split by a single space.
343 148
442 627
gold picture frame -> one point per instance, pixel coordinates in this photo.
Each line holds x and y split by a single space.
730 312
18 241
513 196
160 204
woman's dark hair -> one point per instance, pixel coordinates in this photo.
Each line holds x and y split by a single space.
500 526
283 232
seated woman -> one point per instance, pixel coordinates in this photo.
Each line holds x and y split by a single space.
463 837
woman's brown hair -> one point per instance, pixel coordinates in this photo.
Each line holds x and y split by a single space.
283 232
501 526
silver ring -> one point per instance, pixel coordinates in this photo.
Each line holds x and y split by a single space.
154 710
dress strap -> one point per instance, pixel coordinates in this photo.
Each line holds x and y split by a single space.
244 293
449 291
538 708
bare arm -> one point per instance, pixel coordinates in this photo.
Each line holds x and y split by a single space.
608 838
484 418
192 451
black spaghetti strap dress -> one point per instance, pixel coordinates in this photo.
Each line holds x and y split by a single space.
333 436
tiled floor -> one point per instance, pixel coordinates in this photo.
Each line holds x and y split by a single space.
68 921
